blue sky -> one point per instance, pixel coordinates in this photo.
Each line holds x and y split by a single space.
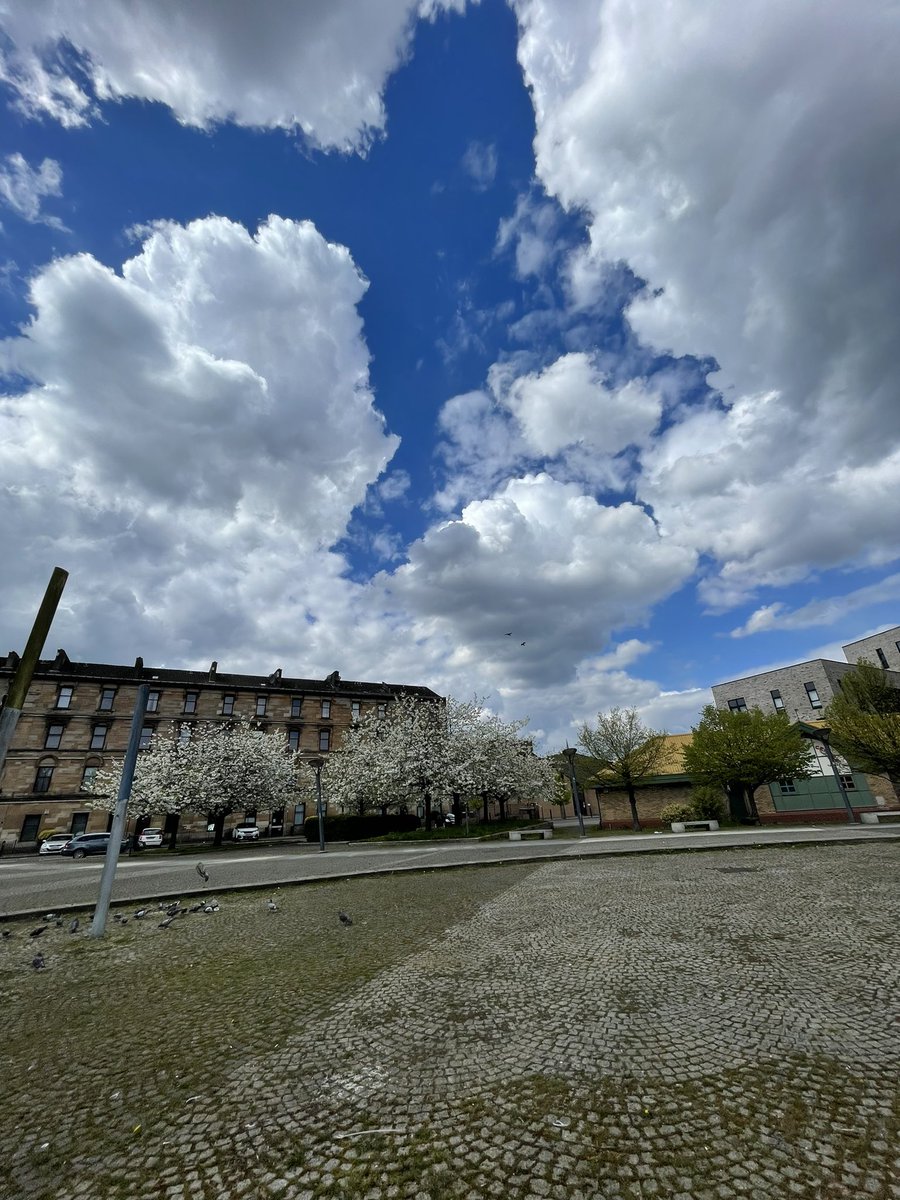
386 337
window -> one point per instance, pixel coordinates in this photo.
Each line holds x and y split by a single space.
262 703
882 657
813 695
30 827
354 710
147 733
64 697
296 705
228 704
190 701
326 709
324 739
184 733
788 787
847 781
382 709
897 644
43 779
738 704
153 701
54 737
88 776
294 740
98 737
107 699
777 700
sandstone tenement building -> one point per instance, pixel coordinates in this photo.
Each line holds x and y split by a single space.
77 717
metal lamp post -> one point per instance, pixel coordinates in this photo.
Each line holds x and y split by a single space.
317 763
570 753
823 735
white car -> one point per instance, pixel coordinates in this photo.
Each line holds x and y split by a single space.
150 837
54 843
245 833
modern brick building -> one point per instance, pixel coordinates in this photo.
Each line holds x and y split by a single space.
803 691
77 716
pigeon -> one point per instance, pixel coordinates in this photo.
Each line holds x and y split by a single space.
521 643
38 961
166 923
140 914
210 908
37 932
123 921
73 928
58 924
6 934
197 907
271 906
50 916
204 875
345 919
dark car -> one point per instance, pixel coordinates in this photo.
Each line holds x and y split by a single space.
89 843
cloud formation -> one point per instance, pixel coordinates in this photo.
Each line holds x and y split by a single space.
23 188
739 167
542 562
318 68
195 427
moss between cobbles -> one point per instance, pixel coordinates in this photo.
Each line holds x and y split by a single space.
573 1030
115 1035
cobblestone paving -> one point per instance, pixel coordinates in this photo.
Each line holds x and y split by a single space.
694 1027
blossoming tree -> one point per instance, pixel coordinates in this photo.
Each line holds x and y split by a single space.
218 770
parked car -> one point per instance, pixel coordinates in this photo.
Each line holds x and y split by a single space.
245 833
150 837
89 843
449 818
54 842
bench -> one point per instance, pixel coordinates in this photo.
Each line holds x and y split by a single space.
684 826
516 835
883 814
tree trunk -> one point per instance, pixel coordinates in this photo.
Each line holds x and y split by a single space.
484 801
456 806
632 800
428 821
502 802
219 833
751 804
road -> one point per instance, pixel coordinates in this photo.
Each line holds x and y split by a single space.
32 886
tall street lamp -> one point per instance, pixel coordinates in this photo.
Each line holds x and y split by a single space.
815 734
317 763
570 753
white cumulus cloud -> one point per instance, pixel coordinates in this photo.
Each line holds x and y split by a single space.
315 67
193 437
745 169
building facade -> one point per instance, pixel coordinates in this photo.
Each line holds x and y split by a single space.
803 692
77 717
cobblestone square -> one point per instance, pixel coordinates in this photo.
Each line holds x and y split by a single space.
694 1026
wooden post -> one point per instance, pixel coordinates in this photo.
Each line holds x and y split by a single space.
21 681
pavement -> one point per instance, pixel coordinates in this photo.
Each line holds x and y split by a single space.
31 885
577 1026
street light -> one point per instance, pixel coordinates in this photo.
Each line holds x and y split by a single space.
570 753
814 734
317 763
